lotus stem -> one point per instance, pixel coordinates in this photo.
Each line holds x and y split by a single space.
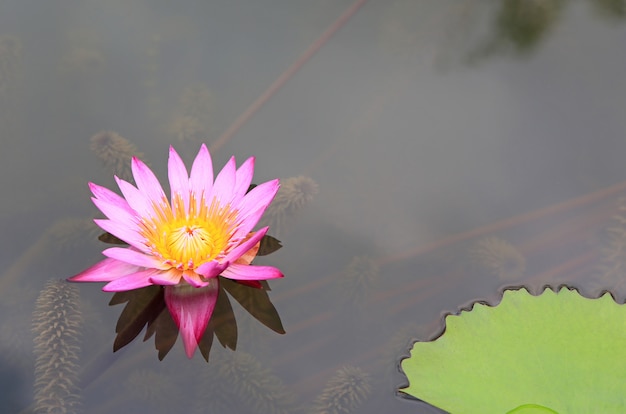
255 385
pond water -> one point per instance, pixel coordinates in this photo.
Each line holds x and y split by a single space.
437 152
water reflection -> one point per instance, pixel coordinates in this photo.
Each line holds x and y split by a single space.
474 31
416 170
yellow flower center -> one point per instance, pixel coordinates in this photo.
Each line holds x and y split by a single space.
185 238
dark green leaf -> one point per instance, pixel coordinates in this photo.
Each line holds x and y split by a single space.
143 306
223 322
205 343
166 333
255 301
111 239
269 245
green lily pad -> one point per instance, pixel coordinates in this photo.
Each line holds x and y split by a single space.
555 352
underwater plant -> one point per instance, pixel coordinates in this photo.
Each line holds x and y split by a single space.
193 118
198 102
57 324
358 280
116 153
187 129
255 385
498 257
555 352
523 24
185 243
294 194
161 393
344 393
611 269
615 9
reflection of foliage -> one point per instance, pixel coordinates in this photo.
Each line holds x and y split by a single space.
611 8
344 393
57 324
358 280
294 194
255 385
611 272
115 152
524 23
558 350
498 257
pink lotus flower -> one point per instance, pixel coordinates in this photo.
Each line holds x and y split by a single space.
184 244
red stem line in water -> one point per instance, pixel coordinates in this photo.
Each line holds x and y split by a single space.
550 276
581 227
501 225
282 79
507 223
524 218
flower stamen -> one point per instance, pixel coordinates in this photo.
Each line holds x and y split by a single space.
186 237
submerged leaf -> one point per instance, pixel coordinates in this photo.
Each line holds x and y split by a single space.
556 352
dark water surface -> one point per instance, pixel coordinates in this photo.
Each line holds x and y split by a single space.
440 150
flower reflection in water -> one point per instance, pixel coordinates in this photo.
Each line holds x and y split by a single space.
182 250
